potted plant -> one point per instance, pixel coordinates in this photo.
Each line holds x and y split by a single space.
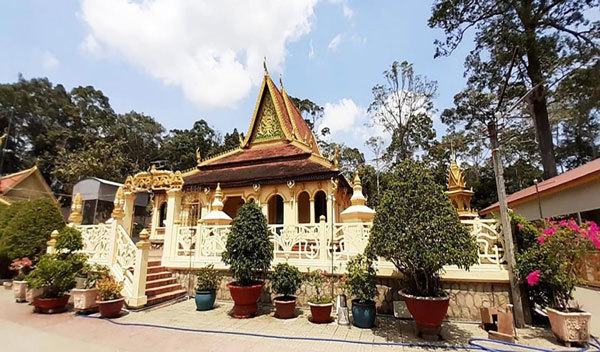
360 275
56 273
550 269
248 253
320 304
417 229
85 296
22 266
111 301
206 288
285 281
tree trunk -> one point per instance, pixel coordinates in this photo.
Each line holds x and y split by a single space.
521 315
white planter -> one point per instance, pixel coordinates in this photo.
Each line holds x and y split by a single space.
32 294
20 290
84 299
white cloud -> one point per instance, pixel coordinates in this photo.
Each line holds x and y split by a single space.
341 117
348 12
213 50
49 61
311 50
335 42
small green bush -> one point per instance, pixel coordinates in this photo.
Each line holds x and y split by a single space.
109 288
417 229
25 228
69 240
93 273
56 276
285 279
320 281
248 251
360 278
208 279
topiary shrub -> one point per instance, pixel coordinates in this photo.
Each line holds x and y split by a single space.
285 279
25 228
248 251
360 278
417 229
207 279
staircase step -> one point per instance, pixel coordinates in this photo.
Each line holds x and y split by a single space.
158 275
156 269
162 289
163 297
161 282
152 263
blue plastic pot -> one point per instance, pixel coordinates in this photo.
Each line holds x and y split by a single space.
363 313
205 300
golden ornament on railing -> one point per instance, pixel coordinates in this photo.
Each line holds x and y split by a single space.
154 180
76 215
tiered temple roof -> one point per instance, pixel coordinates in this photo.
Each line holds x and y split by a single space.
279 146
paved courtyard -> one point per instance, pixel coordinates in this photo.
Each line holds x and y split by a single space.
184 329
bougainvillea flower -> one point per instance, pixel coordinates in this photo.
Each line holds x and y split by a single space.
541 239
549 231
563 223
520 226
533 278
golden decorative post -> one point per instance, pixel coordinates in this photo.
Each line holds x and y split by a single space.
119 209
76 216
458 192
51 249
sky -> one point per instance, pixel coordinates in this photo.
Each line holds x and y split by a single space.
180 61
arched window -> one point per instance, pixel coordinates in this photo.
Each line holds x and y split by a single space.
303 208
275 206
233 205
162 215
320 205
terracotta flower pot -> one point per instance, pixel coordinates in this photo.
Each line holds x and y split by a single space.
570 327
51 305
428 312
285 307
112 308
84 299
320 313
245 299
19 290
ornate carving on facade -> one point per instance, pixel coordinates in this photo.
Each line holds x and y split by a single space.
256 187
198 156
291 184
268 124
458 193
336 158
76 215
119 207
154 180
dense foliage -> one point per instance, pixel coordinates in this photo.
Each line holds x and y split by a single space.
25 228
417 229
249 250
207 278
360 278
550 265
92 273
285 279
109 288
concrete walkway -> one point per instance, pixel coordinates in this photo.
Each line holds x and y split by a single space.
22 330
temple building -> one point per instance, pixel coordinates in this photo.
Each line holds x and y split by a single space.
278 165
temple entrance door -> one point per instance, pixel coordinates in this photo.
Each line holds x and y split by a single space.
233 205
320 205
275 206
304 208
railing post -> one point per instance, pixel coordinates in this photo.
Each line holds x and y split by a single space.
173 208
51 249
129 209
112 245
138 293
323 248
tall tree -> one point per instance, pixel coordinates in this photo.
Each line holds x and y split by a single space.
403 107
311 112
179 147
552 37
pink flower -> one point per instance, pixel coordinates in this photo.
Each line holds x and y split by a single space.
520 226
549 231
533 278
563 223
541 239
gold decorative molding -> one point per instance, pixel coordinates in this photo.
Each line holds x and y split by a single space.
119 204
154 180
76 215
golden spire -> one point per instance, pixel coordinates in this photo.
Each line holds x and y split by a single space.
119 205
336 157
198 156
281 81
265 66
357 196
217 203
458 193
76 209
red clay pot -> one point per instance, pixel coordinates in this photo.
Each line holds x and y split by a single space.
51 305
112 308
245 299
320 313
428 312
285 307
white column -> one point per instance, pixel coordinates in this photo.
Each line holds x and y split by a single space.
288 212
138 297
154 220
312 211
129 208
173 208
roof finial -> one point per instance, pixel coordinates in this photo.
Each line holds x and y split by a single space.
281 80
452 154
265 66
198 156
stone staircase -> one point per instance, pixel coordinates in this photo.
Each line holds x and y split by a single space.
161 286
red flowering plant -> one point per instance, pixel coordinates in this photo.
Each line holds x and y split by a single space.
22 266
550 265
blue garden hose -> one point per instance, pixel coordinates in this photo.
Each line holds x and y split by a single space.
475 344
